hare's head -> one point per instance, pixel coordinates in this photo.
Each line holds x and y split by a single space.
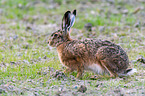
62 35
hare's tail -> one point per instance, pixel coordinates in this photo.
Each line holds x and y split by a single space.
131 71
128 72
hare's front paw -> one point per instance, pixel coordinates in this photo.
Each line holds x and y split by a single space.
113 75
79 73
68 70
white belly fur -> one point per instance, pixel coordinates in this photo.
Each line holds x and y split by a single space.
95 68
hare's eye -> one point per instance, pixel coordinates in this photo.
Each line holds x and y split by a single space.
55 35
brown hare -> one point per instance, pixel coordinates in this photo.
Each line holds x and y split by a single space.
99 56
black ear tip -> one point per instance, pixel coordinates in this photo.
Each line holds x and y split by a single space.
67 12
74 12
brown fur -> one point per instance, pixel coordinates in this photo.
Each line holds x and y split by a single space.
89 54
79 55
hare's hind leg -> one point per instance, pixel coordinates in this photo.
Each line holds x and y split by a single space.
107 65
105 56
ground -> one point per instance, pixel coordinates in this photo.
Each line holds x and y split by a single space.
28 66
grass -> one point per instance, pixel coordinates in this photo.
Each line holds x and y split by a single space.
25 55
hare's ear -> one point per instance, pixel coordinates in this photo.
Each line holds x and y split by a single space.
72 19
75 12
66 21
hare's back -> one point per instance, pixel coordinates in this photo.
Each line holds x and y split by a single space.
87 47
